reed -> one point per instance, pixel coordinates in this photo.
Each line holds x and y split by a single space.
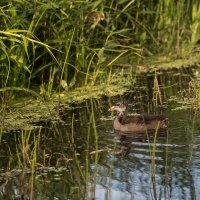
157 97
79 41
95 152
166 179
27 154
153 163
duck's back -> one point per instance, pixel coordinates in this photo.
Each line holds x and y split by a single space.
140 123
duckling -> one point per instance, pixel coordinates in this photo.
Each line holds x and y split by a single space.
136 123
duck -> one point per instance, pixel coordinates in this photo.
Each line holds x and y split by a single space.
137 123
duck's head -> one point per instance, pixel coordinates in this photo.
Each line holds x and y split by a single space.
119 107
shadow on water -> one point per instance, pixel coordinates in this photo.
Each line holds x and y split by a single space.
82 158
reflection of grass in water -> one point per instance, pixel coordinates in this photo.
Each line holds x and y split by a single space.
152 150
92 157
191 149
27 145
167 173
93 123
153 162
81 172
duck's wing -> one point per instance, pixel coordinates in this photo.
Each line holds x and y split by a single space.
150 118
144 119
136 119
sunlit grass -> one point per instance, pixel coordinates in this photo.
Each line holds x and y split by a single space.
77 42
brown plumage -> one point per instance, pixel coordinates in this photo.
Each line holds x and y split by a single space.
136 123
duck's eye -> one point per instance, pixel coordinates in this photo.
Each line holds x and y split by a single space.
117 104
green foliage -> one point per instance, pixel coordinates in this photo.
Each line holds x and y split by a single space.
48 42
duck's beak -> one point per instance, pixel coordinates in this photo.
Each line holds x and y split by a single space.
112 108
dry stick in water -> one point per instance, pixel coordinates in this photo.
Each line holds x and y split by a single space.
158 89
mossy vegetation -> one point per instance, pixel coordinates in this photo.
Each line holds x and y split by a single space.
62 47
27 113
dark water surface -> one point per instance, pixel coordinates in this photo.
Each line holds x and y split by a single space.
177 165
82 158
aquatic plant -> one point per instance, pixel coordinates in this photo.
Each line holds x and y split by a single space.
47 43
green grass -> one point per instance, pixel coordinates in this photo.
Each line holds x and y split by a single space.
46 42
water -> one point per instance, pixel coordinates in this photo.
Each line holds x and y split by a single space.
89 161
177 166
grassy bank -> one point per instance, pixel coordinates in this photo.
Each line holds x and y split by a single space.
51 45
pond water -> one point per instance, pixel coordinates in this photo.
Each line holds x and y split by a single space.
82 158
